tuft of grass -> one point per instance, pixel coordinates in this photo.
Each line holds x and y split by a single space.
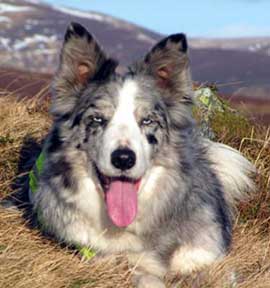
19 121
30 260
81 283
230 127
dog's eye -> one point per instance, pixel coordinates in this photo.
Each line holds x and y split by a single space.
98 119
146 121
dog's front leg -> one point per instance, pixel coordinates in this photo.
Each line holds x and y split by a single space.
148 270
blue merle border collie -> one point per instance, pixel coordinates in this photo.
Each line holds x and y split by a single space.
125 167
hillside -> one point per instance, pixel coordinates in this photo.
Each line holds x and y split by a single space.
259 45
27 31
22 84
30 40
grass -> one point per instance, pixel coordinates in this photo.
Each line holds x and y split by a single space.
28 259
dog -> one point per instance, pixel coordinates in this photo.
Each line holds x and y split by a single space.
125 167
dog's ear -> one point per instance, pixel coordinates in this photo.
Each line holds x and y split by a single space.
168 63
82 60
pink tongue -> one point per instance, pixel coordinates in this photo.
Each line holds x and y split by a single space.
121 200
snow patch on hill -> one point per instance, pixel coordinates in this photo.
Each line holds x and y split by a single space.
4 19
145 38
77 13
4 42
8 8
36 39
36 2
92 16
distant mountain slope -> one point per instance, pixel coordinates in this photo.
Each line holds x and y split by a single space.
31 34
233 69
252 44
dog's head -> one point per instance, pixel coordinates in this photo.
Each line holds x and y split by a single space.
122 123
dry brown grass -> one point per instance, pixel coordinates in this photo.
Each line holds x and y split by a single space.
28 259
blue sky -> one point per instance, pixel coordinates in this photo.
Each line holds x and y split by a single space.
206 18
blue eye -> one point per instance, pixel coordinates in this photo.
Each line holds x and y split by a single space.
98 119
147 121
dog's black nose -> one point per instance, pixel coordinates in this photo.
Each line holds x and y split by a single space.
123 159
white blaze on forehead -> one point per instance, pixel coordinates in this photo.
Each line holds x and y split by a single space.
124 114
125 126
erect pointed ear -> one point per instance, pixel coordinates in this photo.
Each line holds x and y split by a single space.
82 60
168 63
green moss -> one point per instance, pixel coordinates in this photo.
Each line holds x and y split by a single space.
6 139
218 121
229 125
2 248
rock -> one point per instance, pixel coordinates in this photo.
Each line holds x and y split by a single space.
207 105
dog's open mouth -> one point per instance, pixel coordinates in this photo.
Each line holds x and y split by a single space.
121 197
